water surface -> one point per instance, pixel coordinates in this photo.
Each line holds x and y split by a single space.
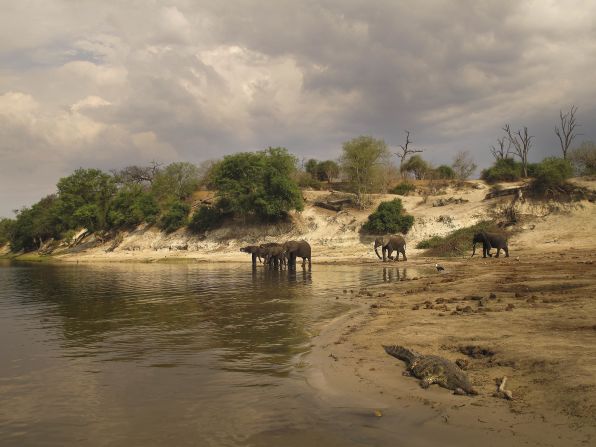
190 354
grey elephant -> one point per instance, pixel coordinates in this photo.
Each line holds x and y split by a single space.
390 243
255 250
273 254
489 241
297 249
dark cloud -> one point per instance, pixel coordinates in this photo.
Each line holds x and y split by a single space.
112 83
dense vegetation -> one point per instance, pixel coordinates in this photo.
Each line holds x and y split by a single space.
389 217
456 243
258 184
262 186
503 170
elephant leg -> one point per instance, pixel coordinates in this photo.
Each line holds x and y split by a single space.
506 250
403 252
254 259
384 250
390 254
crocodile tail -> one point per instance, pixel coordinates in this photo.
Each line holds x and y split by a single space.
400 352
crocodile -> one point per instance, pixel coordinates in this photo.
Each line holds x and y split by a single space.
433 369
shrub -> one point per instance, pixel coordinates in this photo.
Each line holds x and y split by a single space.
206 218
403 189
552 172
428 243
584 158
132 206
455 243
417 166
6 230
444 172
174 216
504 170
389 218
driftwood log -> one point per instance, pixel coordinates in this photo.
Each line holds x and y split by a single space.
506 192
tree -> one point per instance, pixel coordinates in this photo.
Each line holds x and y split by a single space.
311 167
584 158
258 184
327 170
174 216
361 160
567 132
405 151
522 143
35 225
444 172
84 199
177 181
132 206
463 165
6 230
502 151
134 174
417 166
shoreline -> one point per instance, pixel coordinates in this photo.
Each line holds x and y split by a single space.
549 407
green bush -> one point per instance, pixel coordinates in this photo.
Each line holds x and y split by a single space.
206 218
131 206
389 218
6 229
429 243
455 243
403 189
552 172
258 184
174 216
504 170
444 172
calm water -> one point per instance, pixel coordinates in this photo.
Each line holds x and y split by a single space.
191 354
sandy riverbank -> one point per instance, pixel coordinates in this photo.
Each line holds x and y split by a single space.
545 344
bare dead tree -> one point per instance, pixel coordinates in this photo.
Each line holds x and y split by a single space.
137 174
405 151
567 131
522 143
503 150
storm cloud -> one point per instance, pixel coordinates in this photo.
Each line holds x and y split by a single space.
110 83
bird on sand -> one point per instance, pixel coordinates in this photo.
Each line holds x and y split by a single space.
439 268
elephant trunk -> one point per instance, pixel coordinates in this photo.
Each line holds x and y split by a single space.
473 249
377 251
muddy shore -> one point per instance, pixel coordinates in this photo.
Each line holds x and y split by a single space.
532 320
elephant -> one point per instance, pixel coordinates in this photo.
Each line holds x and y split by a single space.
274 254
388 244
297 249
255 250
490 240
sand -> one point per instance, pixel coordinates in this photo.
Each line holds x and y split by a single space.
538 330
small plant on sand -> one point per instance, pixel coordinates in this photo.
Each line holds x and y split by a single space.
389 217
403 189
455 243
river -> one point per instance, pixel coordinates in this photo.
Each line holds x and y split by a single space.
178 354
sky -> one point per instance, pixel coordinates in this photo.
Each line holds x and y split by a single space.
105 84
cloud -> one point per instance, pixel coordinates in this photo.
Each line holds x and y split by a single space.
108 84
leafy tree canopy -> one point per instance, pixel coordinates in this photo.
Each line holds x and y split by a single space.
176 181
258 183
